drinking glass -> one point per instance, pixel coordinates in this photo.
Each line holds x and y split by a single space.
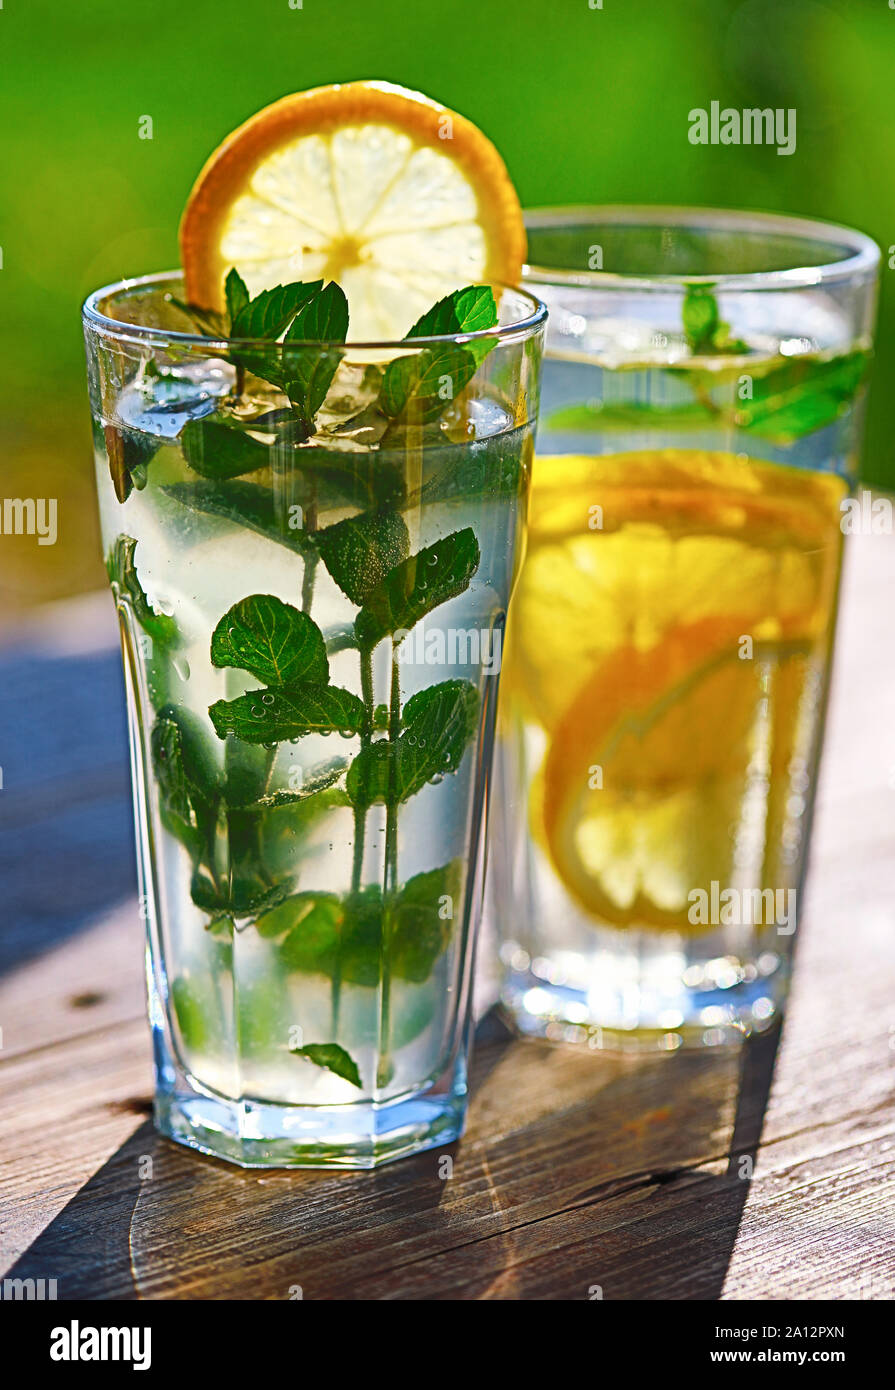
311 623
669 645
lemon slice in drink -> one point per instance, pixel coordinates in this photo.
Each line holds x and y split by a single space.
392 195
624 548
644 778
684 747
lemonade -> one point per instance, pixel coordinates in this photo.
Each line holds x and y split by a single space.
667 660
298 475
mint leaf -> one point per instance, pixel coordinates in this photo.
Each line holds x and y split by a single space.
701 318
272 640
215 449
420 583
422 386
360 551
272 716
321 932
419 926
631 415
266 316
319 779
245 504
802 395
247 769
359 476
122 571
427 382
465 311
251 886
237 295
333 1058
704 329
437 725
167 761
494 467
288 823
188 790
312 943
200 767
269 313
308 371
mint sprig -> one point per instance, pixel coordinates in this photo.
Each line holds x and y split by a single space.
370 931
704 329
791 398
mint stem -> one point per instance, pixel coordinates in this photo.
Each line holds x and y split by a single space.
360 812
390 880
311 560
366 735
389 876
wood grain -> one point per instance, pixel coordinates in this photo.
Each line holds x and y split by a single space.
763 1173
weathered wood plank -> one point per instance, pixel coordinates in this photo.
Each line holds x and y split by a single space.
88 982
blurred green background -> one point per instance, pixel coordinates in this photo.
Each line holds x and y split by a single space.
586 105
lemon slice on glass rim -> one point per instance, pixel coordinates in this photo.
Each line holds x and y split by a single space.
394 196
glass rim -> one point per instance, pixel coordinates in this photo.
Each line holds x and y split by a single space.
864 257
135 332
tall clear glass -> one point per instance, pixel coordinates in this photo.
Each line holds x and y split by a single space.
669 644
311 622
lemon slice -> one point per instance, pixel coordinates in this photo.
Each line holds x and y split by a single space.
674 734
681 536
394 196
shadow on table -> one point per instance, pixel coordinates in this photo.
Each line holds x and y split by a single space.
569 1196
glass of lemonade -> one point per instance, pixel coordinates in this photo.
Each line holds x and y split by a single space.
311 621
669 645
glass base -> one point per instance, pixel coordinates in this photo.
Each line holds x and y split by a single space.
622 1016
257 1134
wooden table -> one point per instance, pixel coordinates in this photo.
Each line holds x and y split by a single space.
763 1173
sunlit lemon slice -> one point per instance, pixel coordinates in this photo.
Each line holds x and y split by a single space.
625 548
650 770
382 189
